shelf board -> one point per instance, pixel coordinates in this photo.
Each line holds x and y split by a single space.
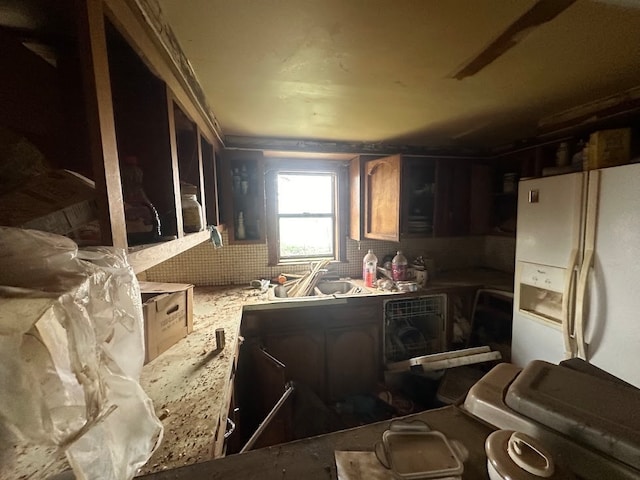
144 257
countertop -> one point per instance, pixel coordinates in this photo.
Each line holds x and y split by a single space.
313 458
187 383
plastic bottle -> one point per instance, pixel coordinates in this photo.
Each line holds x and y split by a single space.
240 233
399 267
369 268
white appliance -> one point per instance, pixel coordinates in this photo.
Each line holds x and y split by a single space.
577 272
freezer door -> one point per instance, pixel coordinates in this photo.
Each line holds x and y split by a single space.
612 303
549 219
535 340
549 236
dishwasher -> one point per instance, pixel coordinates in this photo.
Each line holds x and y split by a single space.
414 331
414 327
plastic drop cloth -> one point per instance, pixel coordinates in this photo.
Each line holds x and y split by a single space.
71 353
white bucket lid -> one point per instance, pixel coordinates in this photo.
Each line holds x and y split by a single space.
517 456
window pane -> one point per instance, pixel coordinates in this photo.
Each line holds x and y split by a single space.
306 237
300 193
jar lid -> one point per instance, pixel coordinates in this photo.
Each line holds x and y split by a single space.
188 189
517 456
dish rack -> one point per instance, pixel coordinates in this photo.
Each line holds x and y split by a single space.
413 327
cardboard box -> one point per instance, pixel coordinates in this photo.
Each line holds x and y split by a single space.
168 315
608 148
59 201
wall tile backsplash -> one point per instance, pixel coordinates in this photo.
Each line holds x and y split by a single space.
239 264
500 253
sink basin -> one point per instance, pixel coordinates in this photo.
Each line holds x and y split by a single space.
323 288
333 287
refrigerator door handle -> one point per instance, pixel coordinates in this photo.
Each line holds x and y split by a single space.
585 269
580 300
568 324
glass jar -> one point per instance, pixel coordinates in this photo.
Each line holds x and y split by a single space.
191 214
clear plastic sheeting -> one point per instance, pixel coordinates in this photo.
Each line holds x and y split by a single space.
71 353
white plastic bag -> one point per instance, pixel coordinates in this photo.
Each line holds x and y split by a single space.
71 353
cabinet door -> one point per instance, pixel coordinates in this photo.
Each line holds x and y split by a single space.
382 198
418 194
353 360
303 355
270 381
259 384
481 195
453 191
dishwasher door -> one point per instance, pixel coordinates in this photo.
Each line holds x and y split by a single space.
414 327
414 336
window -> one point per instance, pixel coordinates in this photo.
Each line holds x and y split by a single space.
303 212
306 215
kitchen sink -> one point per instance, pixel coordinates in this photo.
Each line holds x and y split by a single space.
325 288
337 287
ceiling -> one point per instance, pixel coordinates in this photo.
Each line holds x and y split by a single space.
382 71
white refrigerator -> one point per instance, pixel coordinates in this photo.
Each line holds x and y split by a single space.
577 276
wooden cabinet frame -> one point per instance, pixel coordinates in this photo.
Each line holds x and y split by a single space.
83 80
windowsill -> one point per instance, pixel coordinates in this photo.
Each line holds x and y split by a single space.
306 261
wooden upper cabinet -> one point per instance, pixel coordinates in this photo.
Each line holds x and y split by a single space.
417 197
355 199
210 178
463 198
400 197
243 194
453 196
101 102
480 209
382 182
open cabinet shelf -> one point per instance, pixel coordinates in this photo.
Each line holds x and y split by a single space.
243 191
143 257
106 99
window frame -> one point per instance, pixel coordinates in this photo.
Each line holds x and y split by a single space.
276 166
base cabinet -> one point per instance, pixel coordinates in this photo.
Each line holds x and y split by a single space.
327 352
